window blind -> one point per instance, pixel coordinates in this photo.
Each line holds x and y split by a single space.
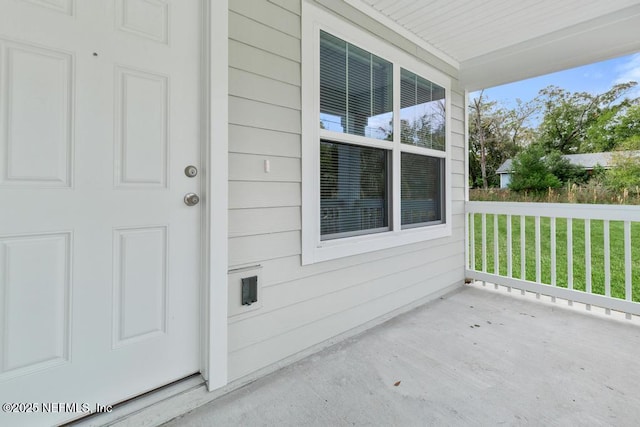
422 183
356 90
353 190
422 112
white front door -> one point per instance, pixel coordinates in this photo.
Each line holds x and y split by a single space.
99 254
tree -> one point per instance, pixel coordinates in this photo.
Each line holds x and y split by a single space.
571 121
625 166
531 172
495 135
626 126
479 131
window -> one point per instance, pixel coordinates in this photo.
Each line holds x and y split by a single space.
353 190
375 143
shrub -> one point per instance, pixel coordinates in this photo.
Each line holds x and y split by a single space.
564 170
625 166
531 172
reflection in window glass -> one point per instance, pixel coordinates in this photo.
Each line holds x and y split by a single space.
356 90
353 190
422 112
421 192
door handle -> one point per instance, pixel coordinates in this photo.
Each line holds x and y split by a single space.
191 199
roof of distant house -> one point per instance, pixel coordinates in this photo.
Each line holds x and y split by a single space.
587 161
505 167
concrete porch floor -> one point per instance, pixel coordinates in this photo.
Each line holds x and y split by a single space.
474 357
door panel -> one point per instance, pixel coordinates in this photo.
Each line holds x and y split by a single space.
99 255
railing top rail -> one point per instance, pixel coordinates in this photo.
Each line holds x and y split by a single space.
557 210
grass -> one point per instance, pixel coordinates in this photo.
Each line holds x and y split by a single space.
617 257
591 193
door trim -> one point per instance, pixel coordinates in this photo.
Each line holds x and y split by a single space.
215 180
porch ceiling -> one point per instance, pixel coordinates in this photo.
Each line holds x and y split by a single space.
498 41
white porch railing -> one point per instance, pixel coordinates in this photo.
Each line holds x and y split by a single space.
584 253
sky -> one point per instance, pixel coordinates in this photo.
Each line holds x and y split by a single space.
594 78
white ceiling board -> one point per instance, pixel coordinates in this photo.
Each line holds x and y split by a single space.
596 40
521 38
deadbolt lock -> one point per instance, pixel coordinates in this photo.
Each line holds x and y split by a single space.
191 171
191 199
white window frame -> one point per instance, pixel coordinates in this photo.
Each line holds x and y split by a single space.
314 249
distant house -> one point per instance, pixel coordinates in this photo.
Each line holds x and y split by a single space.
587 161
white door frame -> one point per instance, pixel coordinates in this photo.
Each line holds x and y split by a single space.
215 180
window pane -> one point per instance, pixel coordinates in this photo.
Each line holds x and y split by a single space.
422 183
422 112
353 190
356 90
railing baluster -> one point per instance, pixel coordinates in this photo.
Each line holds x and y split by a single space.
523 275
607 259
627 263
538 252
472 234
552 246
627 260
607 262
570 256
496 255
509 249
587 258
484 242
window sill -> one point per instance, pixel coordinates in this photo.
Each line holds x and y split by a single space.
338 248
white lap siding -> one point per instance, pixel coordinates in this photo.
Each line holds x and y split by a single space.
302 306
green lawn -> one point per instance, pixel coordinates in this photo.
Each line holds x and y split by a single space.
579 267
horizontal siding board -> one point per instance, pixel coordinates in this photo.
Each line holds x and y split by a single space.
250 222
302 290
457 180
266 116
458 143
292 6
283 270
457 98
253 33
457 193
250 140
458 153
457 126
249 58
248 85
249 167
254 249
270 14
252 331
244 361
458 206
263 194
457 112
